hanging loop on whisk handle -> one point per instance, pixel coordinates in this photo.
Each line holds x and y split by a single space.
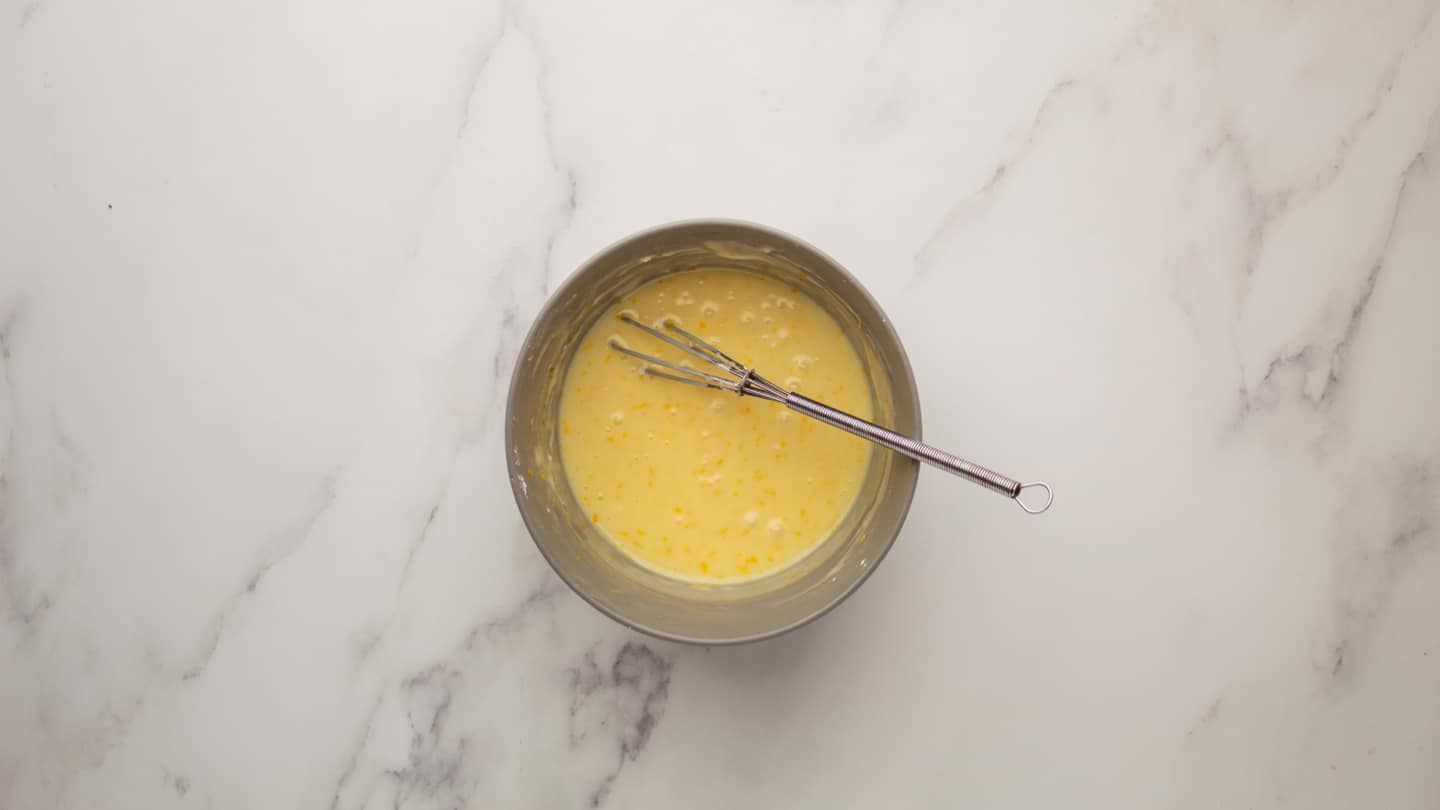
920 451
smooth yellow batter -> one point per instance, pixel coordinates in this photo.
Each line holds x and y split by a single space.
701 484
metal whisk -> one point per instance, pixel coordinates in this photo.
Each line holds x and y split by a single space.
745 381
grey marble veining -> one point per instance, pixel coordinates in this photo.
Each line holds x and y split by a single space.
264 270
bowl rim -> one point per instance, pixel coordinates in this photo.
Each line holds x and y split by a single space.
905 380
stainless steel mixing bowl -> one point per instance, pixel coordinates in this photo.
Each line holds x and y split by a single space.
592 565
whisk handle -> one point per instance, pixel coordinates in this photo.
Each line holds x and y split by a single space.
920 451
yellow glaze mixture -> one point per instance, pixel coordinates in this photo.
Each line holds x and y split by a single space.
701 484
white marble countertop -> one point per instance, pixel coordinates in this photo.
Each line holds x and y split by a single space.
264 268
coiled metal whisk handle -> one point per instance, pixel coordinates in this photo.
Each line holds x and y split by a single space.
743 380
921 451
